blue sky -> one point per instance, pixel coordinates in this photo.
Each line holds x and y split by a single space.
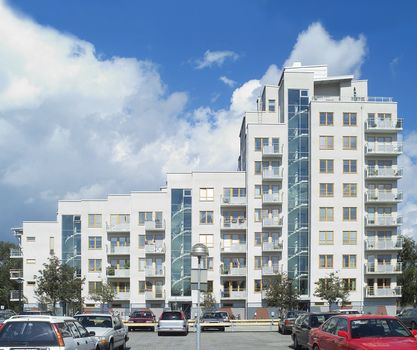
104 96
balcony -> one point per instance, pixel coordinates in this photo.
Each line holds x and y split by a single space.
155 295
122 295
154 248
234 224
152 271
124 227
384 268
274 221
383 172
383 220
270 270
372 292
14 295
272 246
272 198
155 225
117 273
16 274
353 99
234 294
16 253
384 244
272 174
234 248
234 201
272 151
234 271
377 148
384 125
381 196
119 250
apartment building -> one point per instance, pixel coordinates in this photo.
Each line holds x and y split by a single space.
315 193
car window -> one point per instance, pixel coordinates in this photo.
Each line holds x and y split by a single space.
27 334
372 328
73 329
95 321
331 325
171 316
117 324
342 325
66 333
82 330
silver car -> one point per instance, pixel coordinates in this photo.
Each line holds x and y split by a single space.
172 322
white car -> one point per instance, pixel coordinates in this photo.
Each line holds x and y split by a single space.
109 330
45 332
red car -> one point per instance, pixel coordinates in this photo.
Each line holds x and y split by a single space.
143 317
362 332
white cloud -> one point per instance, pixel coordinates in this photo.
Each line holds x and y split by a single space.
215 58
393 66
227 81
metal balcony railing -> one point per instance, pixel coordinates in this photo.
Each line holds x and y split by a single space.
16 253
14 295
16 273
353 99
239 223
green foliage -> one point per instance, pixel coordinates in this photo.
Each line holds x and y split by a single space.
104 294
408 279
332 289
209 302
282 293
7 285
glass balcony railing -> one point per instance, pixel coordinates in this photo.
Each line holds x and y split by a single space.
272 246
272 174
384 292
238 223
383 148
233 248
154 248
273 150
273 221
383 220
233 271
383 172
383 196
152 271
383 244
384 268
270 269
272 197
387 124
238 201
234 294
122 250
155 225
155 294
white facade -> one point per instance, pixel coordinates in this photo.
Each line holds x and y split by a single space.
316 194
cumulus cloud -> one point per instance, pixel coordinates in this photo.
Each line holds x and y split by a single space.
215 58
73 125
227 81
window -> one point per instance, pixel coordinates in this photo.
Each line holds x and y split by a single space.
271 105
349 284
30 261
258 215
31 283
260 142
258 191
141 241
51 245
349 237
349 142
30 239
206 217
94 242
326 190
142 264
326 166
350 190
326 142
349 166
258 168
209 286
349 119
326 214
94 221
349 261
206 194
258 262
258 238
207 262
142 287
326 237
150 216
117 219
258 286
326 261
326 118
207 240
94 287
349 213
94 265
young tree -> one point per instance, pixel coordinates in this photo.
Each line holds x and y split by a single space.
103 295
282 293
7 285
332 289
70 289
48 283
408 279
209 302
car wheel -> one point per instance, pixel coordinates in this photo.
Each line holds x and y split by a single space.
123 346
223 329
152 329
413 325
111 347
159 334
316 347
296 345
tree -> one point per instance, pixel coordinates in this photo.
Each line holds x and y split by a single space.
103 295
70 289
408 279
209 302
282 293
7 285
332 289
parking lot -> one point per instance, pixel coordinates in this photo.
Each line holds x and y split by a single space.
245 340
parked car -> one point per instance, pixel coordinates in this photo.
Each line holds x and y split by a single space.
172 322
226 317
34 313
142 316
287 321
109 329
215 320
362 332
45 332
409 318
304 323
348 312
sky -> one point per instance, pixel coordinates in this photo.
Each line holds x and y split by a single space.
103 96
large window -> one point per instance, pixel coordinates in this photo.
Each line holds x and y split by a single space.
207 240
326 142
271 105
326 118
150 216
94 265
258 168
349 213
349 142
258 262
349 166
260 142
349 261
94 221
326 214
326 190
350 190
117 219
206 194
94 242
326 261
94 286
326 237
326 166
206 217
350 237
350 284
349 119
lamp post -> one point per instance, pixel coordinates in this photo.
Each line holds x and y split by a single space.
200 251
20 281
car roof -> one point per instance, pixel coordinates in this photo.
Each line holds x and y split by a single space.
367 317
101 315
53 319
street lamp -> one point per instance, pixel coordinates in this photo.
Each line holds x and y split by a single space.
20 281
200 251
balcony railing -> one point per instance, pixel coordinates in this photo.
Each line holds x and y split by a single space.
274 221
383 196
14 295
383 172
383 292
384 268
155 225
270 270
353 99
118 273
273 150
272 246
383 220
16 253
124 227
234 248
119 250
154 248
387 124
234 294
236 224
383 244
152 271
383 148
155 295
272 174
122 296
272 197
238 201
234 271
16 273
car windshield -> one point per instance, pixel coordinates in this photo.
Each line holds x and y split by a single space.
28 334
378 328
144 314
171 316
212 315
95 321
